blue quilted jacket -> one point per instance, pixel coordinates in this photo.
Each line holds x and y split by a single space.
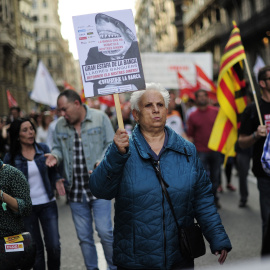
145 233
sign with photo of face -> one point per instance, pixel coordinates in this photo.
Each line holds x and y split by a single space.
109 55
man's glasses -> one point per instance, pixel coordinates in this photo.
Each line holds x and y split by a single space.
266 79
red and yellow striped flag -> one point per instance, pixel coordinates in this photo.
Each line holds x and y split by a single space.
230 95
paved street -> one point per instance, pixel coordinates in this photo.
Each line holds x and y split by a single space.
243 226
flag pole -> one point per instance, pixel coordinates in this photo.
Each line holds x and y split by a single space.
253 91
118 111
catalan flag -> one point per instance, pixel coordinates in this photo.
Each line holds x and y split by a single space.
231 96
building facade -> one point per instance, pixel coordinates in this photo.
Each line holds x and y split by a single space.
203 26
51 48
30 30
28 40
208 24
14 58
155 21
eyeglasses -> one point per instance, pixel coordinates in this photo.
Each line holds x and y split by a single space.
266 79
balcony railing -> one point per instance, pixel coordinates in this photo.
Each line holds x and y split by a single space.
204 36
195 10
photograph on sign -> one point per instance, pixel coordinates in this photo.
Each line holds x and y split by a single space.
108 52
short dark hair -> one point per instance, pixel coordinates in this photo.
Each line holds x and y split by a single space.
17 108
262 73
71 95
200 91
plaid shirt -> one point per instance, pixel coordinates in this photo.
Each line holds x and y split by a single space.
80 174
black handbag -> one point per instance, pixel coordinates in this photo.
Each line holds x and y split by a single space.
17 252
191 241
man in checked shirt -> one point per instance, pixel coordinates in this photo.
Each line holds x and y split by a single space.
80 140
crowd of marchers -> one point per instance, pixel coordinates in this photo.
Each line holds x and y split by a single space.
78 150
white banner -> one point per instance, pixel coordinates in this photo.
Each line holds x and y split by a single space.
45 90
163 67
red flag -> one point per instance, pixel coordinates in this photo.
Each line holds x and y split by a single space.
203 82
108 100
11 100
187 90
68 86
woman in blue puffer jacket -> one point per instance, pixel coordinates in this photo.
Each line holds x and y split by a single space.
145 232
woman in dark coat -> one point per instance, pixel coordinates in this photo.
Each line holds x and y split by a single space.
145 232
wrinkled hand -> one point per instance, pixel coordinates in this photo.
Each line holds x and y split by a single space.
60 187
121 140
50 160
223 255
261 131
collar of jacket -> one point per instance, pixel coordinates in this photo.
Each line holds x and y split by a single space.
175 143
38 152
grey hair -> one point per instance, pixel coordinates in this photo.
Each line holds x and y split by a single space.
136 96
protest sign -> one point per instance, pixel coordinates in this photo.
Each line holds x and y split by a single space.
108 52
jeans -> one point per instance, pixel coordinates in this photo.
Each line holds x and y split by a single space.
243 161
83 215
47 215
264 189
212 162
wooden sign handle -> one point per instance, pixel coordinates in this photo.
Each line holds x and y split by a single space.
118 111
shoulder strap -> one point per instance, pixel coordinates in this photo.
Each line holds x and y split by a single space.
164 187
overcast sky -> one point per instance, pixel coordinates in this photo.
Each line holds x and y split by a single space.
69 8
